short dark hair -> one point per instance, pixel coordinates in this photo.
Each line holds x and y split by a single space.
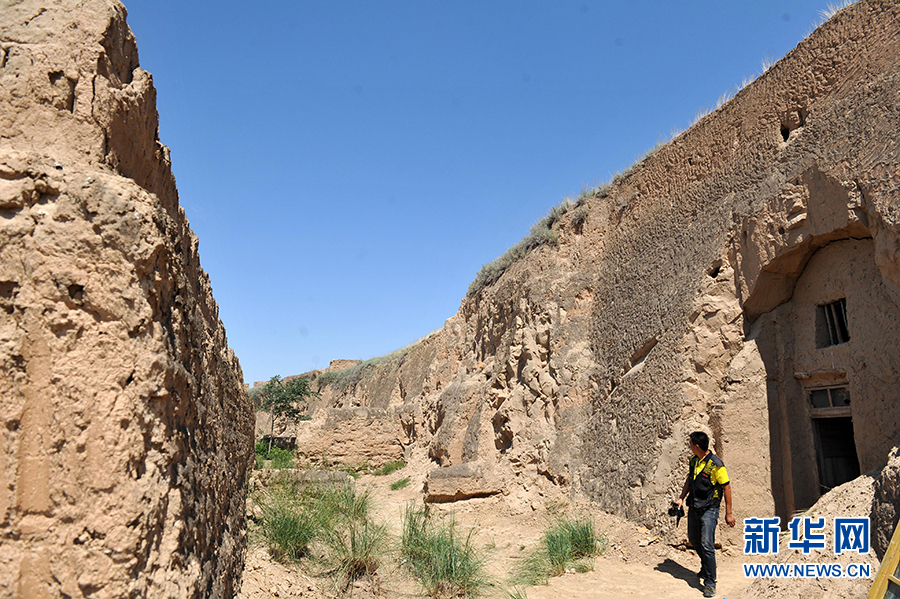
700 439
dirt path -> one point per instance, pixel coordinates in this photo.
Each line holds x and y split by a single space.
670 578
634 565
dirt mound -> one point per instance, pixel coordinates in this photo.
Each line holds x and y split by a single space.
850 500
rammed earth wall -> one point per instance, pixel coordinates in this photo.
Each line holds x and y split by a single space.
125 432
687 299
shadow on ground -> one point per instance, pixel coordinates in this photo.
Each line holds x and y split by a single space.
678 571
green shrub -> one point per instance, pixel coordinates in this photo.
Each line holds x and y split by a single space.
390 468
400 484
280 458
444 561
563 544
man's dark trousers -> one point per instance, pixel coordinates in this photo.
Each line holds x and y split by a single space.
702 535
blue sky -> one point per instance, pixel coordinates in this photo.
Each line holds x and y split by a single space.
350 165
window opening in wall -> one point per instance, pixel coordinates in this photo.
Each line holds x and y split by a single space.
830 397
831 324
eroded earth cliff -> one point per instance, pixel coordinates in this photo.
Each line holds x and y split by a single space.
125 429
744 279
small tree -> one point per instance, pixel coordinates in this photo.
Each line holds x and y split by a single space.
284 400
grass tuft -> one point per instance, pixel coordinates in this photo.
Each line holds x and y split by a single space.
356 550
349 377
444 560
286 528
541 233
355 470
400 484
566 542
579 217
834 8
389 468
328 524
282 458
338 503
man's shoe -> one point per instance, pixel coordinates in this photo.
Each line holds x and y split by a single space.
709 590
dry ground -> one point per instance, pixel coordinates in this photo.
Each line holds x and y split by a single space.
507 526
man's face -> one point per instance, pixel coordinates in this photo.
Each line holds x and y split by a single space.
695 449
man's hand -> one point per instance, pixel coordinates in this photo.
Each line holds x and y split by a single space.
679 502
729 514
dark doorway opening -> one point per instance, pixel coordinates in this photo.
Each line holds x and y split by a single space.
835 451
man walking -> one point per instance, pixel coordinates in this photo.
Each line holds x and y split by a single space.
706 484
